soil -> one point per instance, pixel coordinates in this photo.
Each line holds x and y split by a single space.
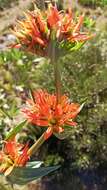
9 16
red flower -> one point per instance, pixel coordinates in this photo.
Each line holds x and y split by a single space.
13 155
39 28
43 111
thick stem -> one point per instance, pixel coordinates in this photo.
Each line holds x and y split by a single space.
36 145
57 81
57 75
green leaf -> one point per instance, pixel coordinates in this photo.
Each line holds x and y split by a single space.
34 164
21 176
89 22
5 113
15 130
81 107
77 46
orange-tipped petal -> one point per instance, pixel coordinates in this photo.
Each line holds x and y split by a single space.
58 110
71 123
1 156
17 46
58 129
53 16
79 24
41 122
42 24
48 133
23 157
9 170
10 148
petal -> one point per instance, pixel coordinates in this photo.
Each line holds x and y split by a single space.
80 37
17 46
42 24
58 129
9 170
24 157
1 156
41 122
78 25
3 167
10 148
71 123
73 115
40 41
48 133
53 16
58 110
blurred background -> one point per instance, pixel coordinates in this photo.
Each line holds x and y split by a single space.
83 155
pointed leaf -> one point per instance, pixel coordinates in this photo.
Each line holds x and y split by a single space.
5 113
82 105
34 164
77 46
16 130
21 176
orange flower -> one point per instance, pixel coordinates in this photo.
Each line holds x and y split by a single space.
38 29
53 16
43 111
13 155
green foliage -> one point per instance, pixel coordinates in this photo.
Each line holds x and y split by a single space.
93 3
15 130
53 159
15 79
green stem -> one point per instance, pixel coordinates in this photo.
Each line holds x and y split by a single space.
57 81
36 145
57 74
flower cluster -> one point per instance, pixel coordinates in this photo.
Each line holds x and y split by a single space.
37 31
44 111
13 155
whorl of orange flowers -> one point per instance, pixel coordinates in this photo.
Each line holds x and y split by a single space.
39 28
13 155
44 111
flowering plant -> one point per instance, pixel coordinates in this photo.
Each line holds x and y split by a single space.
46 33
